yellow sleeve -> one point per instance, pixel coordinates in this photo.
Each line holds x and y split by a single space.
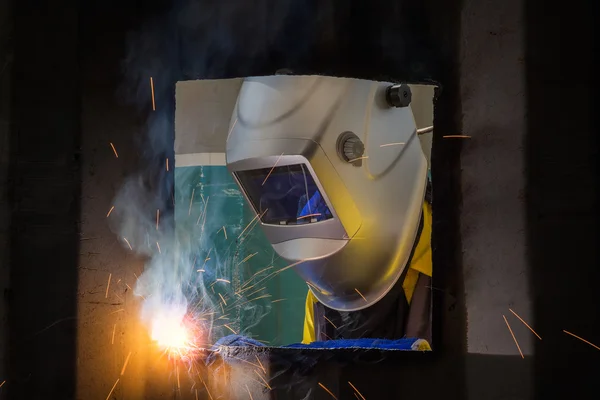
308 334
421 261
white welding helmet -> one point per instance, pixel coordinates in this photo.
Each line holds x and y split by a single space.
335 170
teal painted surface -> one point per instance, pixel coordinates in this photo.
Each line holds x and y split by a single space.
215 232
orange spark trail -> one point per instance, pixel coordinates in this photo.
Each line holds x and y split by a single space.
2 384
263 379
525 323
113 334
261 365
513 335
392 144
157 218
158 246
253 219
358 158
272 168
222 280
354 387
225 232
247 258
582 339
207 391
278 300
125 365
128 244
167 164
328 320
114 150
109 211
108 285
111 390
227 326
224 302
327 390
308 216
152 87
250 394
360 294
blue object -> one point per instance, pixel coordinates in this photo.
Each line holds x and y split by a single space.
382 344
316 205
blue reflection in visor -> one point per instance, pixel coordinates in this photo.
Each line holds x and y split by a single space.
315 208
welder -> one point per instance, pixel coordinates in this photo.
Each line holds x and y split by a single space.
335 170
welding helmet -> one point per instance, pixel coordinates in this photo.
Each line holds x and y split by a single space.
336 174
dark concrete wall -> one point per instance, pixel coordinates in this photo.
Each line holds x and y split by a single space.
5 69
44 201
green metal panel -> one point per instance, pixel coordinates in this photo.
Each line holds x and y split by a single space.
219 234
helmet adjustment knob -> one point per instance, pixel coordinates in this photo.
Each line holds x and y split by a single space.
350 148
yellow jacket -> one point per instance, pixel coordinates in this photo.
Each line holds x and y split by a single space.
420 262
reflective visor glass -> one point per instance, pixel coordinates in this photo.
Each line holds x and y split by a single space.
284 195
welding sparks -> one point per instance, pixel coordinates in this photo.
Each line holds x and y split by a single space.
125 364
114 150
222 280
224 232
355 389
167 162
109 211
308 216
112 341
358 158
264 381
457 136
582 339
525 323
360 294
227 326
392 144
158 247
261 365
513 336
327 390
250 394
222 299
152 88
2 384
169 332
272 168
253 219
328 320
191 202
108 285
207 391
278 300
112 390
247 258
157 218
128 244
